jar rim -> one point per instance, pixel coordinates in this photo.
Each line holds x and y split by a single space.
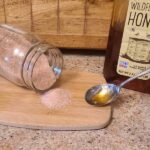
30 62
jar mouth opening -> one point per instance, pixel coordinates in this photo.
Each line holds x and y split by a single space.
42 68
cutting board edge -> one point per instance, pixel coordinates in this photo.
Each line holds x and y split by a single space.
40 127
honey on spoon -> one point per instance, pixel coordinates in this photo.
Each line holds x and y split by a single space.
105 94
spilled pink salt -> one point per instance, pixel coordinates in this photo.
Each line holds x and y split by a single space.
56 98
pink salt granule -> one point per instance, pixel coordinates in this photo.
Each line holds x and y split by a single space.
56 98
43 75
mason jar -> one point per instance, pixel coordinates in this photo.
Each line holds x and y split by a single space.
27 61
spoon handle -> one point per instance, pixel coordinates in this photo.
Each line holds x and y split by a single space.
134 77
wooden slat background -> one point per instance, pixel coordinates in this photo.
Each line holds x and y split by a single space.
64 23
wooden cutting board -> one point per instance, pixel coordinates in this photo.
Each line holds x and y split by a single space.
22 108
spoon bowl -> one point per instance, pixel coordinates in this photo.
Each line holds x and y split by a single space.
105 94
101 95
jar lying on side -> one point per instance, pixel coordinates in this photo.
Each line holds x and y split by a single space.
26 61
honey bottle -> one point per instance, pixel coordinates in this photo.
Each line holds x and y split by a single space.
128 51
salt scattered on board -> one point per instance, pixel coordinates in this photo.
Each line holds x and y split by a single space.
56 98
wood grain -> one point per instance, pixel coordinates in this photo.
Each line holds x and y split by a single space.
57 20
22 108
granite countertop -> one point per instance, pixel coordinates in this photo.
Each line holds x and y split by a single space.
129 129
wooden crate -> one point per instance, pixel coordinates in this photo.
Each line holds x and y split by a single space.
64 23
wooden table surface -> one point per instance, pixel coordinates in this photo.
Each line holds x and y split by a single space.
64 23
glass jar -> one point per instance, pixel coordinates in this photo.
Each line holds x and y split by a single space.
26 61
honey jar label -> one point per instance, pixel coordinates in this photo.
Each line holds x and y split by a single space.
134 54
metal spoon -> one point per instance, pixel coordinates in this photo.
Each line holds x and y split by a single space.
105 94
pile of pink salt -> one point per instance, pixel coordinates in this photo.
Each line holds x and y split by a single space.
56 98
